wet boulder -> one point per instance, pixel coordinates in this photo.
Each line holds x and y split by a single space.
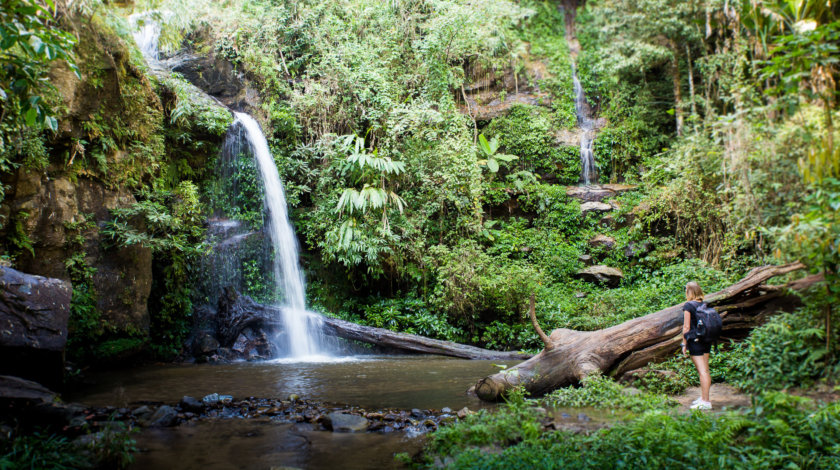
190 404
204 344
34 311
165 416
343 422
610 277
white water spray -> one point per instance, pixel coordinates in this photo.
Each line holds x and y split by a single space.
587 126
301 327
146 34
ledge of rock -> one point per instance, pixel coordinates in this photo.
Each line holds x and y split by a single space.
593 206
34 311
602 241
610 277
18 392
597 193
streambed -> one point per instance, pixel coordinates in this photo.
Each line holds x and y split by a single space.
373 382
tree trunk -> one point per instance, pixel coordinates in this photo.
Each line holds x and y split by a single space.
237 312
571 355
675 76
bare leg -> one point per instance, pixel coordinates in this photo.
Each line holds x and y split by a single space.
702 364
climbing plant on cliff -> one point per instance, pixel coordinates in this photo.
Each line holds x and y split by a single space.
29 41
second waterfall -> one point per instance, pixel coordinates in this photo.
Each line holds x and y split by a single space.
301 337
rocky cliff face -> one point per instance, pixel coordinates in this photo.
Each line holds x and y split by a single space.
58 210
53 213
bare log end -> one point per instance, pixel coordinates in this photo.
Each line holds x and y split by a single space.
488 389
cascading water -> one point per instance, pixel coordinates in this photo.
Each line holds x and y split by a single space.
587 126
301 337
146 34
302 328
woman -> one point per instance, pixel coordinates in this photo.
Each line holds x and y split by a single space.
698 348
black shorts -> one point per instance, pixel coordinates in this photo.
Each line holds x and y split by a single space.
698 347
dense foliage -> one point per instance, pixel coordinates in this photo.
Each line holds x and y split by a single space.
777 431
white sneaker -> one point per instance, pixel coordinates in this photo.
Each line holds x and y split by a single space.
697 400
702 405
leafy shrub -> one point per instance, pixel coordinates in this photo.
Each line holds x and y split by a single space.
112 447
474 285
788 351
602 392
724 362
410 315
778 431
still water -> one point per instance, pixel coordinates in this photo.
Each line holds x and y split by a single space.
368 381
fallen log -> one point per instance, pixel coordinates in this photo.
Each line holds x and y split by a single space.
237 312
571 355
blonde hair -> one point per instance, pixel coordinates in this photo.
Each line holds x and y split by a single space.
693 291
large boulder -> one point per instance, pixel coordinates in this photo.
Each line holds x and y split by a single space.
610 277
589 193
594 206
18 392
34 312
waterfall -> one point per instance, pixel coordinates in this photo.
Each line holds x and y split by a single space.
587 126
302 328
302 336
146 34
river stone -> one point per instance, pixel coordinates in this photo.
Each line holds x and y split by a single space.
142 412
211 399
165 416
602 241
593 206
34 312
191 404
417 413
343 422
446 409
463 412
611 277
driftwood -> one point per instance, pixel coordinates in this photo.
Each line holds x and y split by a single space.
571 355
237 312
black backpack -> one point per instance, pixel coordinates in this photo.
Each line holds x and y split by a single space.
709 323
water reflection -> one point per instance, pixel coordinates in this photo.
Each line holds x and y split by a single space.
261 444
368 381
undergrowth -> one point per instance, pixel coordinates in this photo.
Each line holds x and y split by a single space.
777 431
